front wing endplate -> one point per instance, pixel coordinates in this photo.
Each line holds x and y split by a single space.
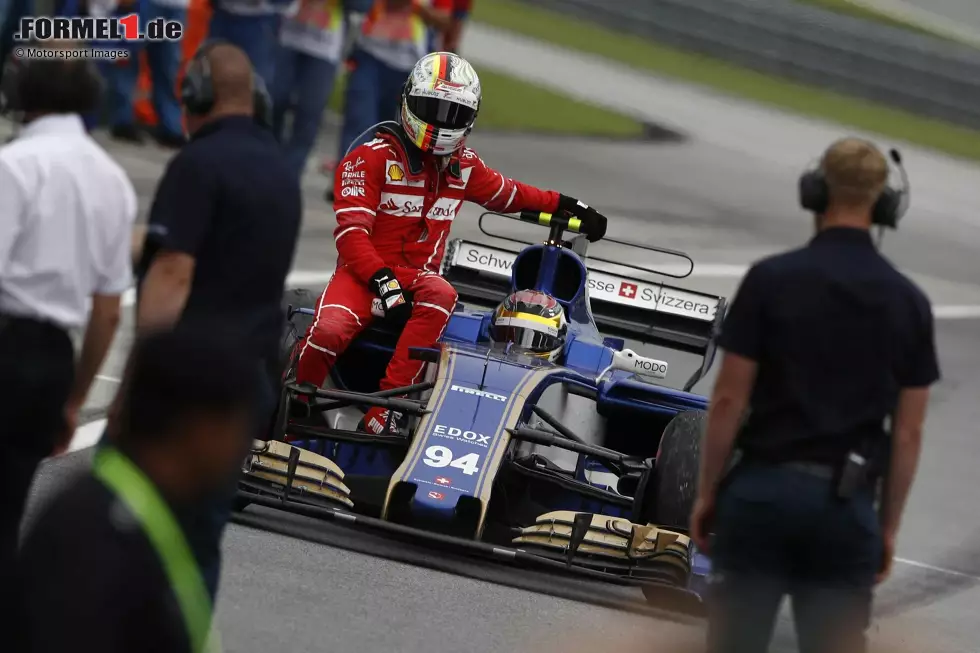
315 475
610 542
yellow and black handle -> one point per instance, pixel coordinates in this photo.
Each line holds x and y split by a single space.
551 220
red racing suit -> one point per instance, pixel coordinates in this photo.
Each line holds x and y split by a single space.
394 209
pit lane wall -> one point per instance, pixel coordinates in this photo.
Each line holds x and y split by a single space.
922 74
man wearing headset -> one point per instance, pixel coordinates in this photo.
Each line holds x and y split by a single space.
221 237
823 345
396 197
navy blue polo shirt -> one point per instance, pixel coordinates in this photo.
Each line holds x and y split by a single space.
837 332
230 200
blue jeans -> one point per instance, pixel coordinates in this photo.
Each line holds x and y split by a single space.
163 59
303 82
780 531
121 77
258 36
373 92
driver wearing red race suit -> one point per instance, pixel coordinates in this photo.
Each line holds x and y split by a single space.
396 199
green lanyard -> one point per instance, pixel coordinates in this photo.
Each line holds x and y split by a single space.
131 486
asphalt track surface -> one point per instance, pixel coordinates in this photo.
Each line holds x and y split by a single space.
725 195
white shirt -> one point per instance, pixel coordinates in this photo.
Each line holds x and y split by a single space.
66 221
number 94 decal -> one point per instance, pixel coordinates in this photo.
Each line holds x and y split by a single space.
438 456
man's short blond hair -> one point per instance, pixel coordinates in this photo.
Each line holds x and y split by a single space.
856 172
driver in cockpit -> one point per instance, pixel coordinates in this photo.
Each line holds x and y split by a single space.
531 323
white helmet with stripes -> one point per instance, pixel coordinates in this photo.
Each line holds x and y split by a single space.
440 102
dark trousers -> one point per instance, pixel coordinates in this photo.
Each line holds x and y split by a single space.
258 36
302 83
780 531
36 373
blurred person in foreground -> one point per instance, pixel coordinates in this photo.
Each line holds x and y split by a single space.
399 190
66 216
106 566
311 43
824 345
220 241
393 37
253 26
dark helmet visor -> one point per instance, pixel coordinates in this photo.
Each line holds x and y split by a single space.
526 339
441 114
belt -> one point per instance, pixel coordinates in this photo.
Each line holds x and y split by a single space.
36 325
825 472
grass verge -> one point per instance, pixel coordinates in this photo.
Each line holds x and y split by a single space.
511 105
728 78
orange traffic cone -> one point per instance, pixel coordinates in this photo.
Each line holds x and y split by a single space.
195 32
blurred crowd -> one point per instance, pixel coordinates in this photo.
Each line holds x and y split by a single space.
300 48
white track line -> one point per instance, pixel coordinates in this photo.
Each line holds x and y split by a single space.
717 271
954 312
295 279
940 570
711 270
87 435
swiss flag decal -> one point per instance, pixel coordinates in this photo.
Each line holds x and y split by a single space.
627 290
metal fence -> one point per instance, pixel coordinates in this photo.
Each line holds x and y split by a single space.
917 72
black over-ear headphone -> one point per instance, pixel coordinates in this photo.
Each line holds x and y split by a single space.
888 209
197 87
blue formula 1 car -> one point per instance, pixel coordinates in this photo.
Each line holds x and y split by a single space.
586 466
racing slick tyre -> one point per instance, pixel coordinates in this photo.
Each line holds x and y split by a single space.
667 491
294 330
296 325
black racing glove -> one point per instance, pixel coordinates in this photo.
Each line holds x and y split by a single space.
593 222
393 302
